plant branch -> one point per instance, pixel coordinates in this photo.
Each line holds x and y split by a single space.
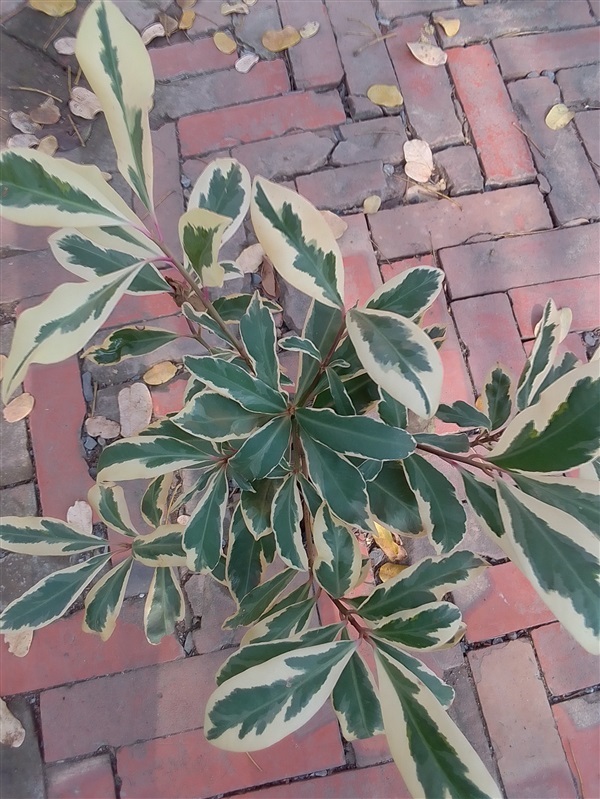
470 460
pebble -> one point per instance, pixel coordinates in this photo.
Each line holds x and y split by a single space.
188 644
532 75
90 443
255 279
185 182
388 169
88 386
547 73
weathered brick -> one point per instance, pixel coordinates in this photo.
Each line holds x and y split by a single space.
580 295
21 238
373 139
31 274
168 398
523 54
521 260
213 605
487 327
373 783
580 85
566 665
578 724
15 464
189 58
527 746
346 187
427 92
502 147
286 157
161 767
361 273
588 125
91 777
415 229
140 308
595 6
563 154
249 28
22 772
18 500
209 19
390 9
317 63
227 127
461 170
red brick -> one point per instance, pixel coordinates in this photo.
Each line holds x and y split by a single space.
581 296
595 6
120 709
139 308
189 58
503 149
487 327
579 728
361 273
162 767
85 778
31 274
346 187
227 127
499 601
20 238
579 85
527 746
566 665
373 139
317 63
462 170
384 782
415 229
427 92
404 8
523 54
62 653
299 153
168 398
521 260
588 125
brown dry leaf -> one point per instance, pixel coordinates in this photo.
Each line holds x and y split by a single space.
236 8
559 116
101 427
84 103
170 24
224 43
429 54
450 26
245 63
160 373
23 122
48 145
250 259
309 30
22 140
372 204
79 516
185 5
12 732
19 643
3 360
336 224
277 41
65 45
386 541
187 19
419 160
48 113
389 570
269 281
152 32
387 96
135 409
54 8
19 408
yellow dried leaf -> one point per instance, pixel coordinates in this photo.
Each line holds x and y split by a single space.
309 30
48 145
472 2
48 113
236 8
224 43
19 408
336 224
19 643
559 116
185 5
160 373
372 204
276 41
387 543
84 103
387 96
187 19
389 570
170 24
3 360
429 54
12 732
54 8
152 32
450 26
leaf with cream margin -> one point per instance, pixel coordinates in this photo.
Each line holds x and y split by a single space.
410 293
163 547
164 606
224 188
338 563
105 599
32 535
201 235
108 500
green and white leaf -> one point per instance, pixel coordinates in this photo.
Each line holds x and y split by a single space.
129 342
463 415
148 456
496 398
443 692
450 442
224 188
579 498
256 507
245 558
284 623
108 500
299 344
356 701
426 628
393 502
160 548
263 450
286 519
410 293
30 535
104 601
568 362
258 601
322 327
257 331
342 404
202 537
481 495
164 606
154 501
391 411
217 418
338 563
201 235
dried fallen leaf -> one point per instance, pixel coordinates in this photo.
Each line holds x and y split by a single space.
160 373
372 204
19 642
22 140
269 281
185 5
251 258
23 122
48 145
429 54
107 176
472 2
236 8
389 570
3 360
386 541
245 63
79 516
250 2
336 224
187 19
48 113
12 732
101 427
135 409
559 116
54 8
183 519
19 408
65 45
152 32
419 160
450 26
84 103
309 30
276 41
170 24
387 96
224 43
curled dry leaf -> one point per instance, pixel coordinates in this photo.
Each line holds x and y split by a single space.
48 145
19 643
309 30
23 122
3 360
389 570
54 8
79 516
22 140
277 41
19 408
245 63
160 373
419 160
48 113
234 8
387 96
12 732
336 224
559 116
84 103
429 54
187 19
224 43
135 409
65 45
250 259
154 31
170 24
101 427
449 26
387 542
372 204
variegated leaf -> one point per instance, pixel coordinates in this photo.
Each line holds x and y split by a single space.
286 520
264 704
450 442
410 293
463 415
217 418
578 497
164 606
567 363
160 548
201 235
299 344
257 331
147 456
245 558
399 357
108 500
425 628
202 537
298 242
154 501
496 398
342 403
128 342
482 498
356 701
322 327
391 411
338 564
393 502
258 601
283 623
256 505
104 601
443 692
30 535
223 188
263 450
550 331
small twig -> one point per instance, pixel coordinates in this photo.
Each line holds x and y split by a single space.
30 89
69 79
93 408
54 34
254 761
529 139
76 129
78 77
376 40
430 189
162 199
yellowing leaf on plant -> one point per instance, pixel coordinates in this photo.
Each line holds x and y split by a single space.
19 642
135 409
101 427
19 408
387 96
309 30
429 54
160 373
234 8
386 541
54 8
559 116
84 103
48 145
419 160
276 41
372 204
450 26
48 113
79 516
389 570
65 45
245 63
152 32
336 224
187 19
23 122
23 140
224 43
251 258
12 732
170 24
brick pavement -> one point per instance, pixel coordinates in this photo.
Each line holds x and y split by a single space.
518 225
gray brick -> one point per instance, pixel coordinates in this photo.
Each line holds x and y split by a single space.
15 461
21 775
374 139
18 501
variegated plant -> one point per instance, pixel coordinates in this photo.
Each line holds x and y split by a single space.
296 469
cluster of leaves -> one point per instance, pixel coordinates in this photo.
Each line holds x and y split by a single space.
297 468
